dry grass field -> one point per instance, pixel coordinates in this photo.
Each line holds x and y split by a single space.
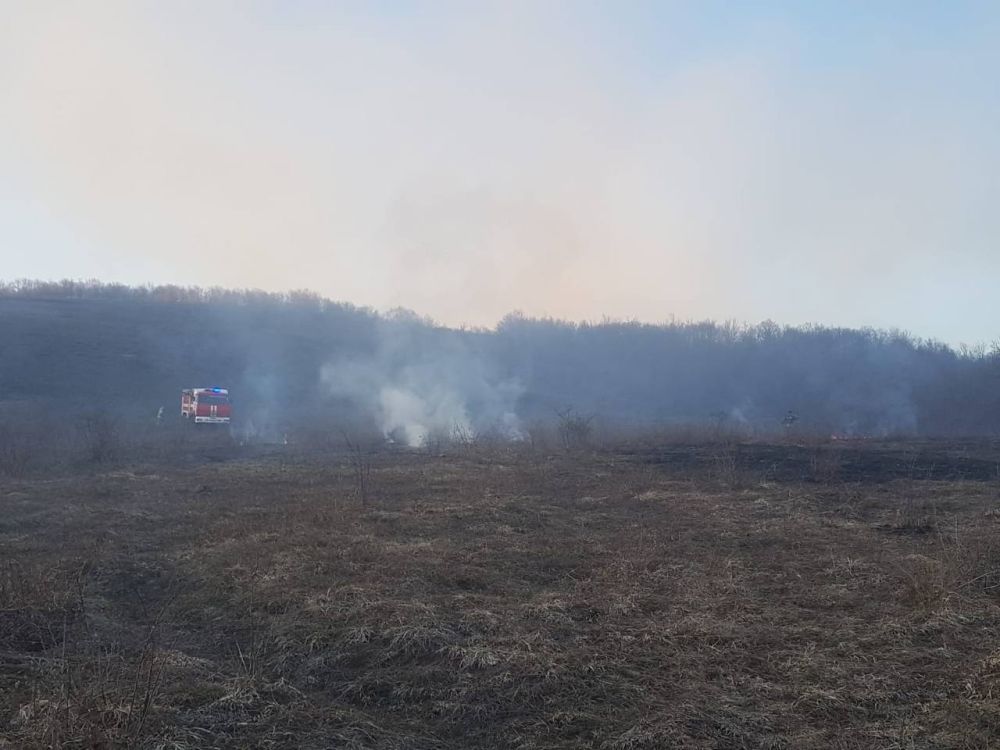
726 596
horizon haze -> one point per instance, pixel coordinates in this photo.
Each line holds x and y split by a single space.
803 163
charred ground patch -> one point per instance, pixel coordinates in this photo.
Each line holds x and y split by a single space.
837 461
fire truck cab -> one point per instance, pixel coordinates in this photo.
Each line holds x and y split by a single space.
206 405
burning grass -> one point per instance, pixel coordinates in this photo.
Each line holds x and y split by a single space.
502 599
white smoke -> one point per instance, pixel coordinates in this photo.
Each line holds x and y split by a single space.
417 390
258 410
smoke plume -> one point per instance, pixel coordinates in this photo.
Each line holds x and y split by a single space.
419 387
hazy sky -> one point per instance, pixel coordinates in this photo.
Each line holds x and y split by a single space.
806 162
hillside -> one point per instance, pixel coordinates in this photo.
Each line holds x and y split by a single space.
130 350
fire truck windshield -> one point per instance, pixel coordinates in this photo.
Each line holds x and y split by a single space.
212 400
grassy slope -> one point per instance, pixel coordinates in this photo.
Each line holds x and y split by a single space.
607 600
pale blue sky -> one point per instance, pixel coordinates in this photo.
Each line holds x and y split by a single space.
805 162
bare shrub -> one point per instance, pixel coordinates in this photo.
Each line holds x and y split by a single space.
460 437
725 466
360 457
439 439
575 429
493 441
106 695
94 693
101 436
461 434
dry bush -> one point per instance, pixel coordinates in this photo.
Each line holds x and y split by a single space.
575 430
101 695
79 691
726 467
725 464
101 437
493 440
438 440
360 456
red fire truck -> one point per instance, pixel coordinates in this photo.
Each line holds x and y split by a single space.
206 405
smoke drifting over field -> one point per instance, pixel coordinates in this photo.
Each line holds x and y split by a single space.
419 388
300 363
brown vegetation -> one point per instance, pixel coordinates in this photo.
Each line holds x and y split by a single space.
644 596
